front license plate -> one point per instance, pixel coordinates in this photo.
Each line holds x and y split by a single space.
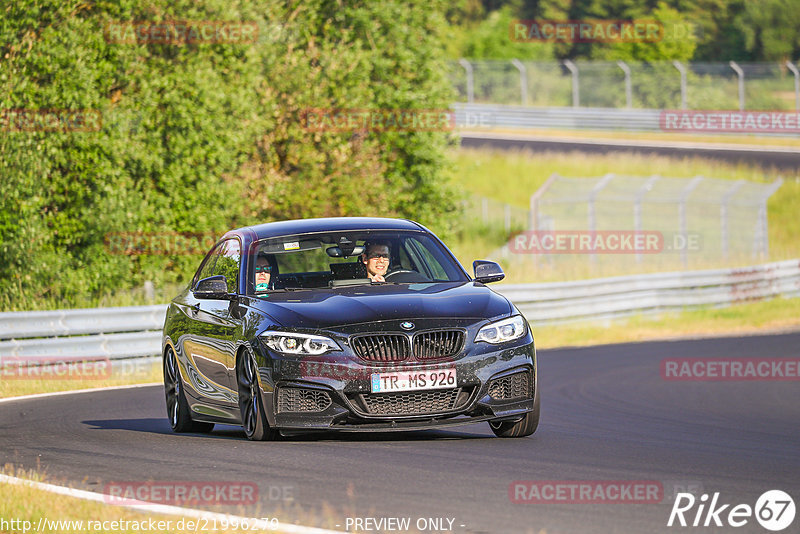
413 380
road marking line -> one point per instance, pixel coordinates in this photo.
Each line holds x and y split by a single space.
73 391
144 506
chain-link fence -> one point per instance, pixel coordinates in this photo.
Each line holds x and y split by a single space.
492 213
612 221
656 85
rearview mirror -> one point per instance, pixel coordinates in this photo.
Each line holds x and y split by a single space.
213 287
487 271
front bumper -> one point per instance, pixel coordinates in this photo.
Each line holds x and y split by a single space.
329 394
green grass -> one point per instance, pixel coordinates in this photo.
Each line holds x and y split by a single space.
512 176
739 319
24 503
31 384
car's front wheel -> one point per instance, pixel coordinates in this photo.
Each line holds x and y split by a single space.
254 420
178 410
518 429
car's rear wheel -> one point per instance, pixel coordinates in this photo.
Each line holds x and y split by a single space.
178 411
254 420
518 429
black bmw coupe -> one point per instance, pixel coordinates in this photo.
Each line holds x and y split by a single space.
345 324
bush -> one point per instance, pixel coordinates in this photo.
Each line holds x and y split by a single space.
201 136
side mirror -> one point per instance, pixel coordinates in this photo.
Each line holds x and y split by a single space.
487 271
213 287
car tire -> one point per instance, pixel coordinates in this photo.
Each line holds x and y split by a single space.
518 429
251 406
178 411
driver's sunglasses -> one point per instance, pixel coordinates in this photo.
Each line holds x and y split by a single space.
263 268
378 255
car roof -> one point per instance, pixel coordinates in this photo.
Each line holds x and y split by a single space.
328 224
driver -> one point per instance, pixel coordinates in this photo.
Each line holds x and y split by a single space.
376 259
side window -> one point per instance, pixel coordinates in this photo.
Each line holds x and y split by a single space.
434 268
228 264
207 268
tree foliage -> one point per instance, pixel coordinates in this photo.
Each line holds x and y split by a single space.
204 136
721 30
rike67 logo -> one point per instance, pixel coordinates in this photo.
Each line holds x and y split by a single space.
774 510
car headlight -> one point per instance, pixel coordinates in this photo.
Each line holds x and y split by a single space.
503 331
301 344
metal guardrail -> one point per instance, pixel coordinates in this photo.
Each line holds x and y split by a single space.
606 298
117 333
125 332
477 116
81 321
480 117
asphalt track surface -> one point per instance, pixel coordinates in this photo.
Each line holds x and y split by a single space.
787 158
606 415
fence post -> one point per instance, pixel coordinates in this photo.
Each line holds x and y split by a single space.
725 217
590 208
740 73
628 86
792 68
684 97
533 215
470 81
523 80
575 89
637 208
682 216
762 236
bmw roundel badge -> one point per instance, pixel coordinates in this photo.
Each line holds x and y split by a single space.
407 325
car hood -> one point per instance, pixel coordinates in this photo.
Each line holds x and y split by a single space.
325 308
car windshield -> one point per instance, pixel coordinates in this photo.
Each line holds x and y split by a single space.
330 260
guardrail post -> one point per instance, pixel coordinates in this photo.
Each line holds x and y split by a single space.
470 80
684 96
794 70
724 217
575 79
628 87
684 229
637 208
523 80
740 73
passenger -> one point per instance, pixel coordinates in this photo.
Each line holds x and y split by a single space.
376 259
263 272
